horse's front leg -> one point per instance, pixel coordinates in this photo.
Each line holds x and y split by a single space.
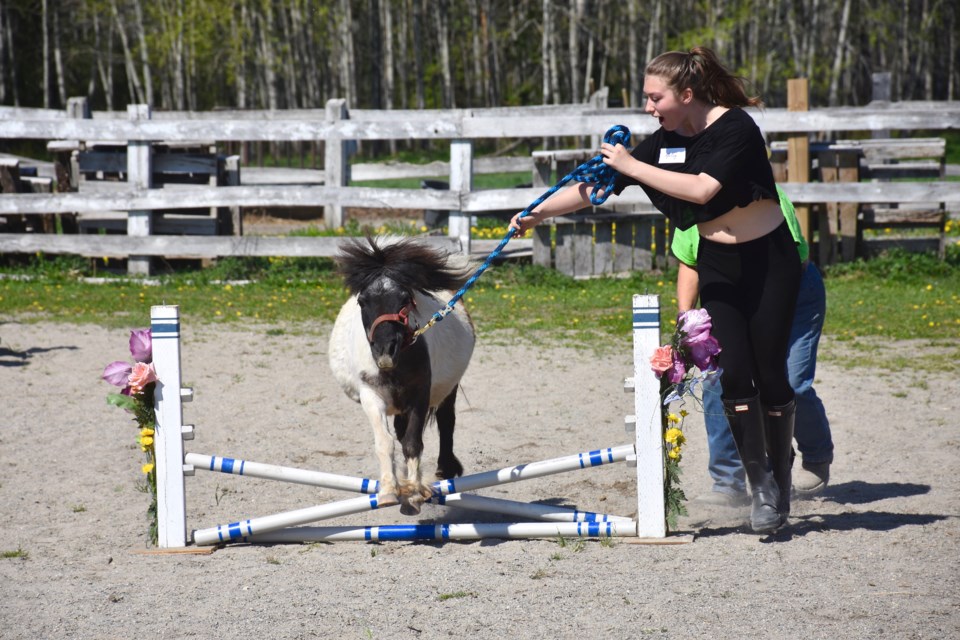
413 492
376 410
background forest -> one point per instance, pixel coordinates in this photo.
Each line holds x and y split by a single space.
388 54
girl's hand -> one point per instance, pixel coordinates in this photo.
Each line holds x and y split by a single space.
520 225
616 156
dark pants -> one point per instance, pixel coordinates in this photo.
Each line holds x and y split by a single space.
750 290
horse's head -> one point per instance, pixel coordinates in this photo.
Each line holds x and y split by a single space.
385 308
385 276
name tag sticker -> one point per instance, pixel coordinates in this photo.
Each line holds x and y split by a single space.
673 155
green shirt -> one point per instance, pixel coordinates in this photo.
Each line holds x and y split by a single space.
685 243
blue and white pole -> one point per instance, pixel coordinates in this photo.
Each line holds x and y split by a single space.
442 532
237 531
293 475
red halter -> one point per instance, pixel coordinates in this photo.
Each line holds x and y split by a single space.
402 316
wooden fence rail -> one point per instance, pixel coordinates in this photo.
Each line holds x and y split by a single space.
339 128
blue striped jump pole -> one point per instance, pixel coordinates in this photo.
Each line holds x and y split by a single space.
293 475
536 511
237 531
443 532
539 469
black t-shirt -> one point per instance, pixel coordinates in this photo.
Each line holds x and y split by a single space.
731 150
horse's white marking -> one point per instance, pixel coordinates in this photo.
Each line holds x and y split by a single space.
450 345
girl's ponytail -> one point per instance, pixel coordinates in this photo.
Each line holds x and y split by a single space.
702 72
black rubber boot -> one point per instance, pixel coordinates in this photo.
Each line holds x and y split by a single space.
779 432
746 419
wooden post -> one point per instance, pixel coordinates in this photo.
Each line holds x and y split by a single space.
170 432
336 162
651 510
139 176
232 179
798 149
461 182
78 108
881 86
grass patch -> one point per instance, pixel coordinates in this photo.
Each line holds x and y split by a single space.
18 553
895 297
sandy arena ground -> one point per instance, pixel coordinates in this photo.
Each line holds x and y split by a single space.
877 556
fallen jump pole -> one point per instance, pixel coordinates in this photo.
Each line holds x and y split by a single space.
236 531
282 474
533 470
546 512
442 532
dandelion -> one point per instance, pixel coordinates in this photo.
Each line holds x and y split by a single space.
675 436
147 468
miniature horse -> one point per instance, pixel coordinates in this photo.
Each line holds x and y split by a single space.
397 285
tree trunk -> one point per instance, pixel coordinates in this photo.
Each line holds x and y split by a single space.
440 12
144 56
3 48
290 83
105 70
490 46
545 41
386 21
8 34
268 59
45 21
418 45
573 46
239 52
652 32
133 80
347 63
477 47
633 55
838 55
58 60
403 53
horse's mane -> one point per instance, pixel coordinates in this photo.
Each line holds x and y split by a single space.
412 264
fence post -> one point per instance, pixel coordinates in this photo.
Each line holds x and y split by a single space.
798 149
336 165
170 432
139 176
651 510
232 179
461 182
881 92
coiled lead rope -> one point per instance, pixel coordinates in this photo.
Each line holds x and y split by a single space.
592 171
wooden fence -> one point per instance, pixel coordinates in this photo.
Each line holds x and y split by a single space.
139 131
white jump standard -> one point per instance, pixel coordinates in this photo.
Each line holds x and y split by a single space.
552 521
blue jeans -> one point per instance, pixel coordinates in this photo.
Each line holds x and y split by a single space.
812 429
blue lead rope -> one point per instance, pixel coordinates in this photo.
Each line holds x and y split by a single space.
593 171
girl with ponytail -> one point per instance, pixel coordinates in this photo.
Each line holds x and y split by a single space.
707 166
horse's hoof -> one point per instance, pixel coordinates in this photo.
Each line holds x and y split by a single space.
387 499
408 508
